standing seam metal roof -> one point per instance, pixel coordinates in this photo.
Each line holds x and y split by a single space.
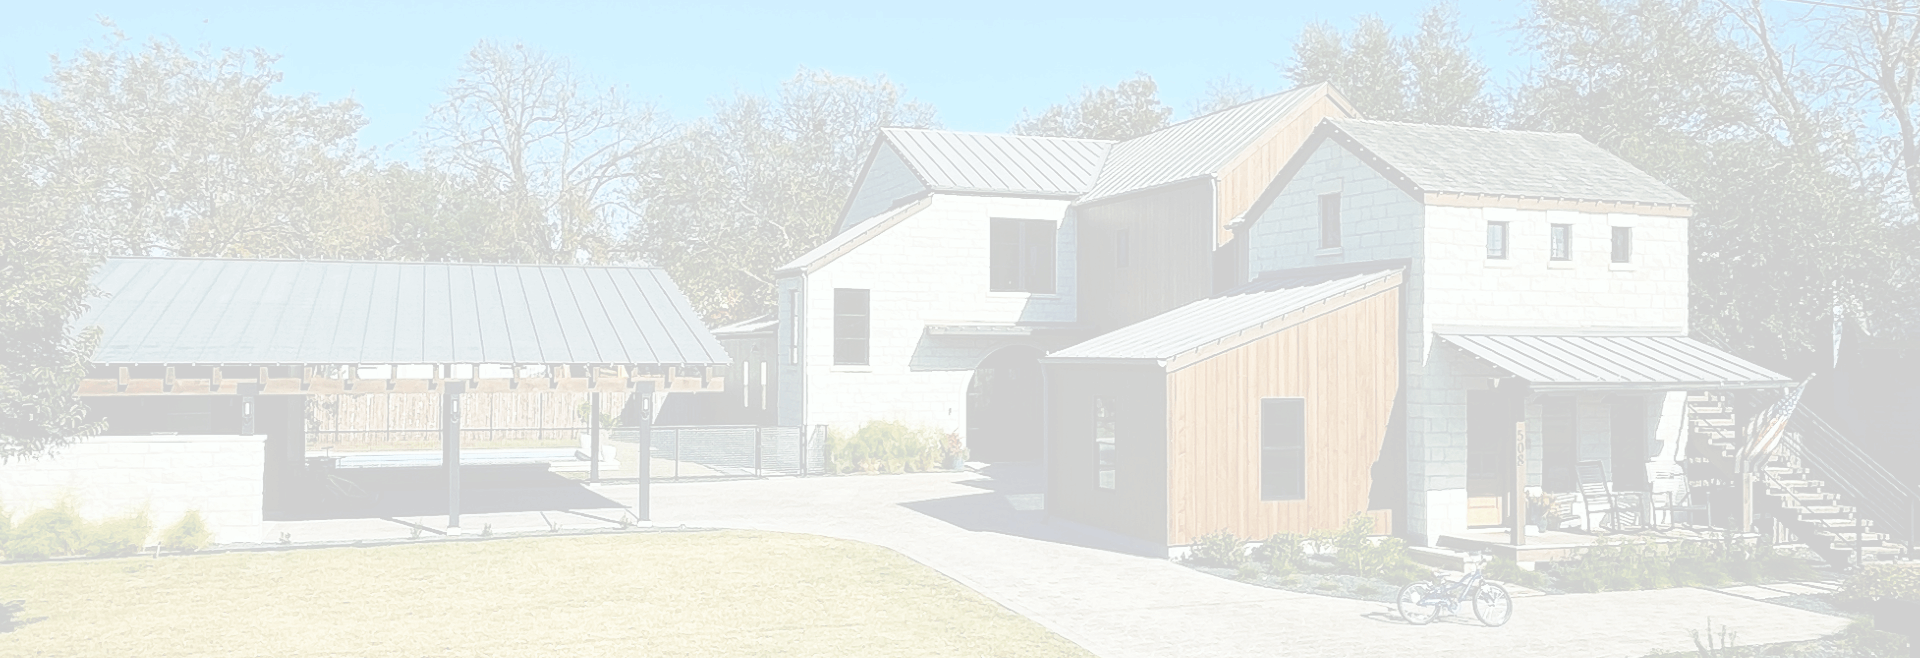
1193 148
263 312
1194 325
1558 361
984 162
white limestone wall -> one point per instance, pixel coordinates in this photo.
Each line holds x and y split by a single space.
1452 284
931 268
111 476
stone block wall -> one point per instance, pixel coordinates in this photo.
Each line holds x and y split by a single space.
111 476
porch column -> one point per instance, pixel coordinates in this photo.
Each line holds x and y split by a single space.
450 450
1516 392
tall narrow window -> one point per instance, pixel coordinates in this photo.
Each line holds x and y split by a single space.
1283 448
1330 220
851 326
1103 431
1622 244
793 327
1021 258
1497 240
1122 251
1561 242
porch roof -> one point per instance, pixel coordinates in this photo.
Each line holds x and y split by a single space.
1599 362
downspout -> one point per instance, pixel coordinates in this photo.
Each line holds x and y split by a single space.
799 356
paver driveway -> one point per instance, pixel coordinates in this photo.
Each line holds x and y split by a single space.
987 533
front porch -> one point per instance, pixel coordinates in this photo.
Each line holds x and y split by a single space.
1556 545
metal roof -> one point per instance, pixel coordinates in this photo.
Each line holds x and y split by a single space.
762 324
269 312
1197 324
1196 147
854 236
983 162
1616 362
1504 162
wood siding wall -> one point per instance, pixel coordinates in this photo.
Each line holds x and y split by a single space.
1244 179
1137 505
1345 363
1170 261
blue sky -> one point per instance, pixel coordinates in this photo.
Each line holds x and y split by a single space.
980 63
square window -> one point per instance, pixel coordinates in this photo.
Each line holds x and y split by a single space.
1497 240
1561 242
1622 244
1330 221
852 325
1283 448
1103 444
1021 258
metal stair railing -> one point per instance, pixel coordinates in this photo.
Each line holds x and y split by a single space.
1874 492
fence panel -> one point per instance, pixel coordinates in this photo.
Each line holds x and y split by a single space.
731 451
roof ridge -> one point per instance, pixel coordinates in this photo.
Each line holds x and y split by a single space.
1509 131
1224 110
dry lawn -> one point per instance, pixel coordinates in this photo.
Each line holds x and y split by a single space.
667 594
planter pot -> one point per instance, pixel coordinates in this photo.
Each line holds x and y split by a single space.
956 463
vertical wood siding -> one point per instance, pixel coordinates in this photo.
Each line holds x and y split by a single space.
1171 261
1245 178
1346 365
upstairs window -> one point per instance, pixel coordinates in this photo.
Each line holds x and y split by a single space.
1122 248
1622 244
1330 221
1022 258
851 326
1283 448
1560 245
1497 240
1103 432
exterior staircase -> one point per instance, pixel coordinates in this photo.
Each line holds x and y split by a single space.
1818 496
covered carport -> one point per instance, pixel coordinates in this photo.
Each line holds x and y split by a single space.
225 346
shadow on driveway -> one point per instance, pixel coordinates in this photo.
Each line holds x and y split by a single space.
1014 503
373 493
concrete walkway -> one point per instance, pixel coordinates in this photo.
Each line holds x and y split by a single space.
989 534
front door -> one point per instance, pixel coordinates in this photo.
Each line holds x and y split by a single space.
1489 457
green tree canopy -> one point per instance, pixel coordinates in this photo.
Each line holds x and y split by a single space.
1124 111
1430 77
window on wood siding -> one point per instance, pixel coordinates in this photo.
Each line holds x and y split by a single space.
852 326
1497 240
1622 244
1103 432
1330 221
1283 448
1022 255
1560 237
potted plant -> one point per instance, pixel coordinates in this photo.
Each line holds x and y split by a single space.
953 451
1543 511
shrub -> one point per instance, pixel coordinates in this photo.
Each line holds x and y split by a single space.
6 528
884 447
115 537
51 532
188 534
1219 549
1509 571
1282 553
1355 552
1883 582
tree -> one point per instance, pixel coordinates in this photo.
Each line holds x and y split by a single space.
1429 78
734 196
191 153
1124 111
554 152
45 263
1223 93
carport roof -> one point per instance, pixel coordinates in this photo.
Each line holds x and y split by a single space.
1596 362
284 312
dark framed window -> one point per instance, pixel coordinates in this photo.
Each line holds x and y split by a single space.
1497 240
1104 411
1330 220
1560 242
852 325
1283 448
1122 248
1622 244
1022 255
793 327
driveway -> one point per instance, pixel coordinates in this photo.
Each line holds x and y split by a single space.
989 533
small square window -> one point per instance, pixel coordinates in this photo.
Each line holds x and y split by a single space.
1330 221
1622 244
1561 237
1497 240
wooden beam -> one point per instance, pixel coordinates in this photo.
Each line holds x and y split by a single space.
307 383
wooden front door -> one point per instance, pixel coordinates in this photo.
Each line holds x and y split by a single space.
1489 457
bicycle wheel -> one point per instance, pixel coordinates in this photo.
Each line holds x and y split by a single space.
1413 604
1492 604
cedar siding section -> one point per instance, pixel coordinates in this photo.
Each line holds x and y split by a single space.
1248 175
1344 362
1170 260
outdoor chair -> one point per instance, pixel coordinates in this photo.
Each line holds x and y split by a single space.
1673 495
1596 490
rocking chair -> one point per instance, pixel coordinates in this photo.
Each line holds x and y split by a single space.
1597 492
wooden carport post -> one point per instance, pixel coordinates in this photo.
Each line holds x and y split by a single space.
450 450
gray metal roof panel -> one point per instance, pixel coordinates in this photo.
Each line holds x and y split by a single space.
985 162
1506 162
1585 361
1196 147
214 311
1196 324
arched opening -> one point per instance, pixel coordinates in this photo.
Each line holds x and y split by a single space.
1004 413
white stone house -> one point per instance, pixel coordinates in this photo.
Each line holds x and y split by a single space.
1538 262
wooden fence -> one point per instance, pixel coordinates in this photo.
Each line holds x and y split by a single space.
402 421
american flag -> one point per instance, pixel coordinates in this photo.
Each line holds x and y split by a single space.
1772 426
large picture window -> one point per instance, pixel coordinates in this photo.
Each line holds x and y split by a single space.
1022 258
1103 431
1283 448
852 326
